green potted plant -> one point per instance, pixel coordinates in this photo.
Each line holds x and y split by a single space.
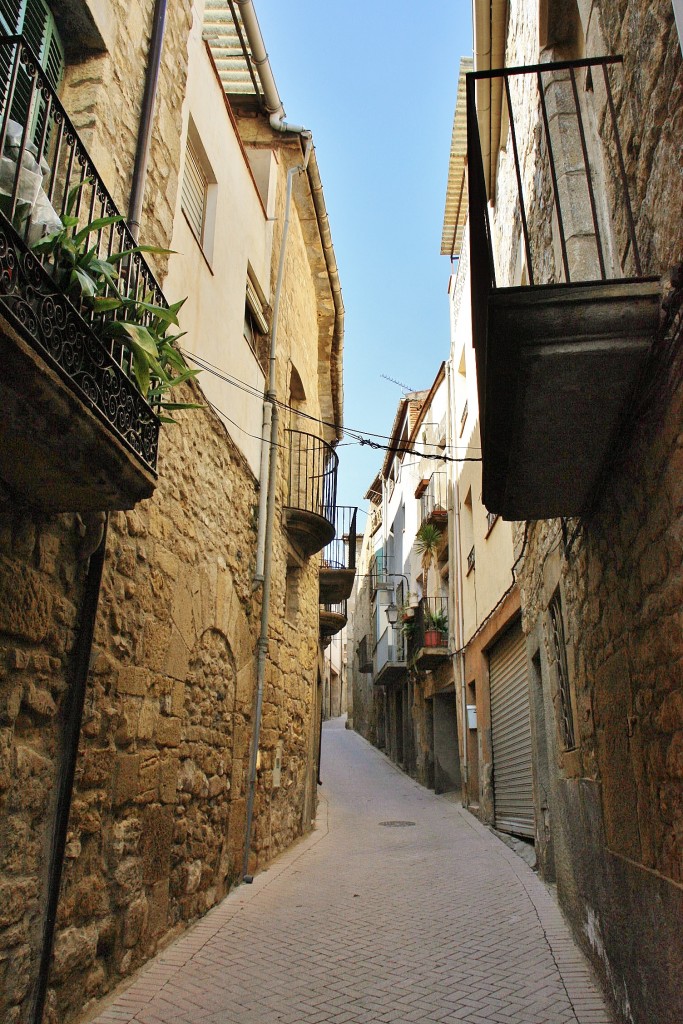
427 545
436 628
141 326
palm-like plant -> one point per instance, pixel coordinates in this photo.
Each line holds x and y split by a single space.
427 545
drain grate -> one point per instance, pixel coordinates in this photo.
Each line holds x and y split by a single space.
396 824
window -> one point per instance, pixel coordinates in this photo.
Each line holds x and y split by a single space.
33 19
195 188
256 324
566 718
198 195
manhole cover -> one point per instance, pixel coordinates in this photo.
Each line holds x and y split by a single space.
396 824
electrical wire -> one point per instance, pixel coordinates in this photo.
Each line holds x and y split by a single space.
360 437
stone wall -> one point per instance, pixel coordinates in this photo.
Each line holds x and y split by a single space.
43 561
156 833
609 811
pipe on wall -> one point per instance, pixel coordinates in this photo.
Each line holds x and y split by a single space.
73 715
144 140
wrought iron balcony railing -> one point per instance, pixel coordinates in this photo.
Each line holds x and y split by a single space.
340 553
556 251
434 500
333 618
381 571
311 491
42 163
338 564
427 633
389 657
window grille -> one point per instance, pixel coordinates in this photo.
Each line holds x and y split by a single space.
195 187
490 520
560 651
470 561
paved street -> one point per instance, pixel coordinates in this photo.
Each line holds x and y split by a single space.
365 922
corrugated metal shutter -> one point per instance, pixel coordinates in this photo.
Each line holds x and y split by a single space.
194 193
511 734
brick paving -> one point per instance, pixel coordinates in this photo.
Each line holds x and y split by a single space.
362 923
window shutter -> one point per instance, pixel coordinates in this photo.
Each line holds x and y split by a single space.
193 199
32 19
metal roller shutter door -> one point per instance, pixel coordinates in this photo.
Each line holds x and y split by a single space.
511 735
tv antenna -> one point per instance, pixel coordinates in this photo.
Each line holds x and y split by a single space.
403 387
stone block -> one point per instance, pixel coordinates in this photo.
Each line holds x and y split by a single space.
147 720
134 922
177 660
168 732
156 637
155 847
133 680
127 778
75 950
168 780
157 915
26 604
178 699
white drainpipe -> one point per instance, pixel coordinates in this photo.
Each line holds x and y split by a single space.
261 62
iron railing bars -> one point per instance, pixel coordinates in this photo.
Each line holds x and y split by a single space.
518 172
55 114
480 229
312 475
431 614
589 176
22 149
622 171
553 175
340 553
531 69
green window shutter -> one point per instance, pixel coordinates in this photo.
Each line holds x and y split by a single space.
33 19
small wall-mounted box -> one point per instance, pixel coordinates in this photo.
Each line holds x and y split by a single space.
471 716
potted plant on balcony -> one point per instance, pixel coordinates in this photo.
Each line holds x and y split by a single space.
94 285
427 545
436 629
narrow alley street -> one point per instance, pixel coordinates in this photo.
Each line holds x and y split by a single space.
399 907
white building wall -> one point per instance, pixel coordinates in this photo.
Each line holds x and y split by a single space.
214 277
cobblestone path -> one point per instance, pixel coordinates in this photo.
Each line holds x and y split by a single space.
368 923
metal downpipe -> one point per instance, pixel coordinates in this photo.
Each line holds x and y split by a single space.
144 140
73 715
459 666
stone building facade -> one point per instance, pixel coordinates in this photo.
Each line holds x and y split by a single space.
156 830
601 587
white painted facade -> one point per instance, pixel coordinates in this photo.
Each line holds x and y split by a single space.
214 274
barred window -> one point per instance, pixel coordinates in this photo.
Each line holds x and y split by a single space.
560 651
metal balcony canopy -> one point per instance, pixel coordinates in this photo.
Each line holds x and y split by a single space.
557 358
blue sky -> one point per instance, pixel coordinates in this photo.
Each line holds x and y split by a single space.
376 82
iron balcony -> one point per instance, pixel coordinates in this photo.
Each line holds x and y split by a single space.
77 432
562 326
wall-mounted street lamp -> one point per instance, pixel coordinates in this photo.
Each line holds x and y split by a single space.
392 612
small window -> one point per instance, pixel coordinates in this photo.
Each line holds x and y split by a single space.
195 190
198 194
566 715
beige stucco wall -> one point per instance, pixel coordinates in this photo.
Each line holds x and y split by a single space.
213 281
